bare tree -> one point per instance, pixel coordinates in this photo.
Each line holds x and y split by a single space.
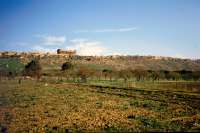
107 73
125 74
84 73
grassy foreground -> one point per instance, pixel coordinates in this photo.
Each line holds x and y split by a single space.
67 107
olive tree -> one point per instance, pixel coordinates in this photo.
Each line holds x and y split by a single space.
33 69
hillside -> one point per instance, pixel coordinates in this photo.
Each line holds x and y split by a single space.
143 62
123 62
54 61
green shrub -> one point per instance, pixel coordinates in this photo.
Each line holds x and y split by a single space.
150 104
149 122
33 69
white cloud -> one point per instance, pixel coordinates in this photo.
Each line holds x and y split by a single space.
78 40
38 48
179 56
52 40
109 30
86 47
118 53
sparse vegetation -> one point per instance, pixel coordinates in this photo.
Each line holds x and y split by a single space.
86 97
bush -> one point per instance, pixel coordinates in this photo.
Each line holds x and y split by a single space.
66 66
33 69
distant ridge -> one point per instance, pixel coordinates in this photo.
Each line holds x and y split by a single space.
115 61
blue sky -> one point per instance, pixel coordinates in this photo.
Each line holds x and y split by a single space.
102 27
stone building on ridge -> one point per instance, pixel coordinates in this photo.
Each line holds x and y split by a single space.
68 53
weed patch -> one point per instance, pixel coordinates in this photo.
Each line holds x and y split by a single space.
149 104
99 104
57 91
148 122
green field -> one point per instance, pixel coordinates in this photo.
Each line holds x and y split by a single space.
11 64
93 97
61 107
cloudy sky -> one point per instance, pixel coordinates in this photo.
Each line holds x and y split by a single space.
102 27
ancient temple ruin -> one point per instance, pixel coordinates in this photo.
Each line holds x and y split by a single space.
69 53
